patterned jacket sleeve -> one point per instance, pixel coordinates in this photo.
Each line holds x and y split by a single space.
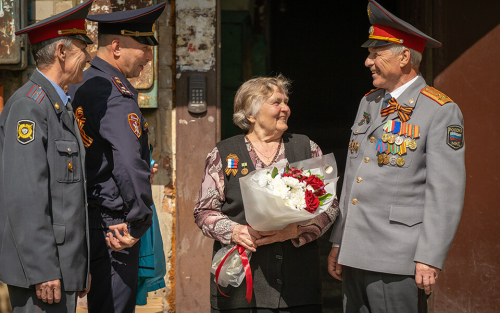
207 211
312 229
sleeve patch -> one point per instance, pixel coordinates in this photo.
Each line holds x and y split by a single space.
121 87
455 136
135 124
436 95
25 131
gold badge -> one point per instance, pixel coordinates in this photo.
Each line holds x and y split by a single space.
244 170
400 161
413 144
25 131
380 159
385 137
70 166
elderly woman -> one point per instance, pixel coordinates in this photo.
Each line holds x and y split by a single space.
285 263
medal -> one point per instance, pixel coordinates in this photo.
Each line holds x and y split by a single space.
399 140
361 122
413 144
386 159
393 160
407 141
392 139
356 146
385 137
400 161
380 159
244 170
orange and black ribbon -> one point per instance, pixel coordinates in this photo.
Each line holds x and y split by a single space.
404 111
80 118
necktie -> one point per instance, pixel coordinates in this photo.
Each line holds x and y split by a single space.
404 111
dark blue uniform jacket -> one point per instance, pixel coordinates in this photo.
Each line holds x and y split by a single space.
115 135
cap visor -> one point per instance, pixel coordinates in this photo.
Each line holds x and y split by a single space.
147 40
82 38
375 43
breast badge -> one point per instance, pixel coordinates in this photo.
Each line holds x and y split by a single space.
25 131
135 124
455 138
232 164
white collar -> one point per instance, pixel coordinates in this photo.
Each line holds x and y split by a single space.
399 91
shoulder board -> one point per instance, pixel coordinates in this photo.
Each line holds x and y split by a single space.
121 87
372 91
435 95
36 93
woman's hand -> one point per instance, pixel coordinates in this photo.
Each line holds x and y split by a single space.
245 236
268 237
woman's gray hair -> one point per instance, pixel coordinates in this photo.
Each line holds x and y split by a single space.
415 56
252 94
43 52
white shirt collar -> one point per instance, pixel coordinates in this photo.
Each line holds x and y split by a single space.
399 91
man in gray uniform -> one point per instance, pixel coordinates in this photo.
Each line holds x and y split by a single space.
404 183
44 249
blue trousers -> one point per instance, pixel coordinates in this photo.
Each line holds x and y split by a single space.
114 276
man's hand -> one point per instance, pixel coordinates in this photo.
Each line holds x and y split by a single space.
334 268
245 236
426 277
119 242
49 291
154 171
272 236
83 293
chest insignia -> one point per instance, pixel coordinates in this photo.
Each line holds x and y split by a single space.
121 87
25 131
232 164
36 93
455 138
244 170
435 95
398 137
135 124
366 118
80 119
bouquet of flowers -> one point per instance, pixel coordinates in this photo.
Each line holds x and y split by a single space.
284 193
274 197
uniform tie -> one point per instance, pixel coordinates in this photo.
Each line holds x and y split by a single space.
404 111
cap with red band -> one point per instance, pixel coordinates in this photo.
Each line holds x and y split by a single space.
68 23
388 29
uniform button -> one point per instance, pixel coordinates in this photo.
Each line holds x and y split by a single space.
279 281
56 106
359 179
367 159
357 131
69 149
279 257
354 201
372 139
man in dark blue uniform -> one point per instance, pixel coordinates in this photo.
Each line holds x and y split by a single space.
43 222
115 135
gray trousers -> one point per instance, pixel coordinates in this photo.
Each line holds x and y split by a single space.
373 292
24 300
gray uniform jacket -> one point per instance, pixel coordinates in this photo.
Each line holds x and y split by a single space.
392 216
43 219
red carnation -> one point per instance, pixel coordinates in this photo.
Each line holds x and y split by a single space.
312 202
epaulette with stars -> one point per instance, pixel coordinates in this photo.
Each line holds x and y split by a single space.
121 87
435 95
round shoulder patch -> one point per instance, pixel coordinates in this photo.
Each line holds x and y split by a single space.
25 131
135 124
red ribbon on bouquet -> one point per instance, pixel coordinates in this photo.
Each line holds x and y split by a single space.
246 267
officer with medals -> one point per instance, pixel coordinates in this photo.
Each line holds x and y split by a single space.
404 182
115 135
43 223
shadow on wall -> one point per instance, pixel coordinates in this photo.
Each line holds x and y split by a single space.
4 299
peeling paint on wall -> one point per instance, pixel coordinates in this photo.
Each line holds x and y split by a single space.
195 35
9 51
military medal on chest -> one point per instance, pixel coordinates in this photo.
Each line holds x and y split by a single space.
366 118
398 137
